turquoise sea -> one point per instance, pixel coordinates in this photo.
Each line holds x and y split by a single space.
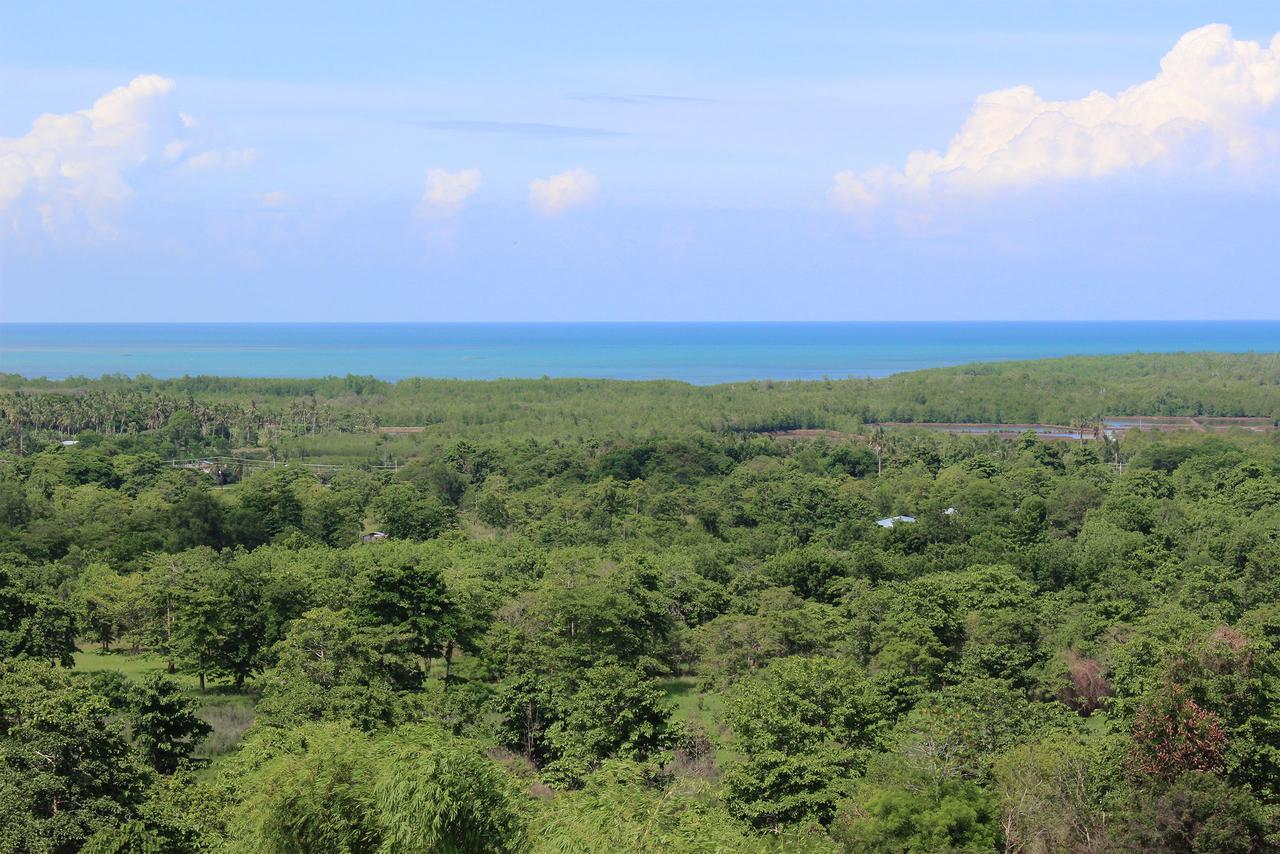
700 353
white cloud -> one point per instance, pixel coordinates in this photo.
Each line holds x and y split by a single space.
175 149
447 192
559 193
76 167
275 199
230 158
1214 105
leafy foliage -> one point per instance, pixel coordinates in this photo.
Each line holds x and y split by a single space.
66 770
805 727
620 615
410 790
165 726
1174 735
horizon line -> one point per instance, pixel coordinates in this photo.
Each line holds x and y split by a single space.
611 322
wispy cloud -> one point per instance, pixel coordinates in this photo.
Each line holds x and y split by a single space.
534 129
231 158
1214 105
616 98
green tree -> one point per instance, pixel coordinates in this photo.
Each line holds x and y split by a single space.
316 796
327 669
199 615
493 503
66 768
958 732
441 794
614 711
165 725
410 513
621 809
956 816
580 615
811 571
734 645
805 728
183 430
237 590
267 506
101 600
1055 794
416 789
407 607
526 704
34 625
208 613
165 589
1198 812
132 837
195 518
329 515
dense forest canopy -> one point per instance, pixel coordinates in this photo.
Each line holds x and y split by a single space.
599 616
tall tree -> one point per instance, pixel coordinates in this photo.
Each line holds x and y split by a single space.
407 606
165 725
327 668
66 767
805 727
409 512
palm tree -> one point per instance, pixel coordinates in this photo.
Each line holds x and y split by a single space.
878 444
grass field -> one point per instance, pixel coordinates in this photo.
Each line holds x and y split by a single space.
228 711
694 705
132 667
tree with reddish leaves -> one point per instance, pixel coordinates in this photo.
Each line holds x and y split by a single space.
1174 734
1087 687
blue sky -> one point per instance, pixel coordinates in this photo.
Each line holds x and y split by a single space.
657 161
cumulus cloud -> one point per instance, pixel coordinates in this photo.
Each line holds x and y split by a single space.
1215 104
275 199
447 192
76 167
559 193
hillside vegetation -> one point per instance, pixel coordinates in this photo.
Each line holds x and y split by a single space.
616 617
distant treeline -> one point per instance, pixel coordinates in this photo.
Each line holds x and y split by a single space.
245 411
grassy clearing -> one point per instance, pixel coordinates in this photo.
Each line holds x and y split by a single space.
132 667
694 705
135 667
230 717
352 448
228 711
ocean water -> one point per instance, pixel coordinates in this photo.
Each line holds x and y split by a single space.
701 353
